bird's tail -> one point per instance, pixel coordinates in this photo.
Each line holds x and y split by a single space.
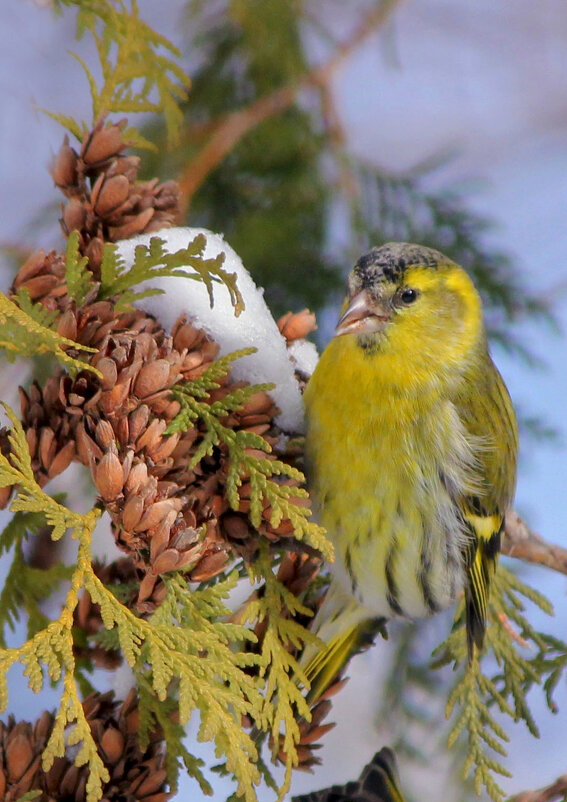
345 629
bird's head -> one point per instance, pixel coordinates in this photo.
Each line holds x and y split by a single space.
414 305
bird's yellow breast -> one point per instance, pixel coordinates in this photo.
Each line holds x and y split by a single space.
380 458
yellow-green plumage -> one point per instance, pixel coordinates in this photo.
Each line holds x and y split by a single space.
411 448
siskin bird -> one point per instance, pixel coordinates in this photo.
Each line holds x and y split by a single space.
379 782
411 452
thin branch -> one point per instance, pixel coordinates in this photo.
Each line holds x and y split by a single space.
234 126
555 791
337 137
519 541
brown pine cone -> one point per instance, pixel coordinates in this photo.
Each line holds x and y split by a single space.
43 276
105 202
165 515
297 325
135 776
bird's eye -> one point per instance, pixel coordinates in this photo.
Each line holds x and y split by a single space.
408 296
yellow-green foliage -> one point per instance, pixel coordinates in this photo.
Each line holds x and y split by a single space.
140 73
259 471
475 695
31 795
153 261
25 332
26 586
183 655
77 275
52 647
154 712
277 607
38 312
150 262
183 651
185 643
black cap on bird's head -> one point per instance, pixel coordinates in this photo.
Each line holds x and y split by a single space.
389 262
377 285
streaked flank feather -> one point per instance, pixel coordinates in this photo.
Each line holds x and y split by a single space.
411 448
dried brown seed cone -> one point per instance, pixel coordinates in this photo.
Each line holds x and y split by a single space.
297 325
312 732
5 492
105 202
43 276
64 166
165 515
103 143
298 570
134 775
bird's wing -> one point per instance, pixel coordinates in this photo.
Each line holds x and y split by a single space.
379 782
486 411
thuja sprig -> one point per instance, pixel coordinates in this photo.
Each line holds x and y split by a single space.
140 73
469 703
153 261
52 647
509 636
23 335
184 651
517 672
471 695
193 652
78 277
38 312
161 715
150 262
276 607
245 453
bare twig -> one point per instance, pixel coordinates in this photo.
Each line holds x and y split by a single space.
519 541
337 137
234 126
505 621
555 791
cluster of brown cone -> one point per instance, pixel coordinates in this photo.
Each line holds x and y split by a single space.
165 516
105 201
134 774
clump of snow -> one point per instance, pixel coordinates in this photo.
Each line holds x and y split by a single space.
122 680
255 326
304 356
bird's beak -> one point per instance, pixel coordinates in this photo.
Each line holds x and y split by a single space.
363 315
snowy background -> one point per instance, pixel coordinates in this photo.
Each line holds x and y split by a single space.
486 81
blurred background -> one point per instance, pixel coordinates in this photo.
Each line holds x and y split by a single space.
436 121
